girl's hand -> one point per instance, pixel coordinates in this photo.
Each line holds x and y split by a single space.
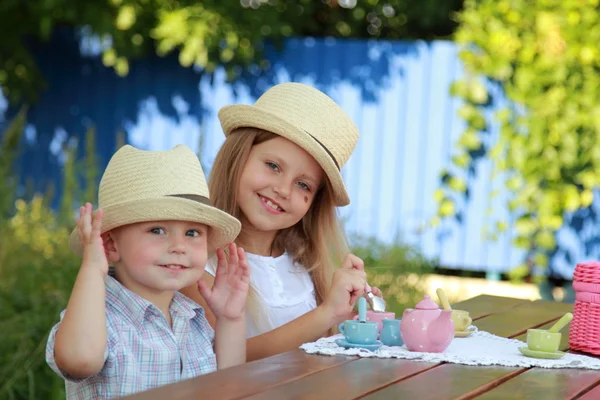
376 291
89 226
347 287
227 298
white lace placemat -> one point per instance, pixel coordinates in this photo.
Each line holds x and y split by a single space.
481 348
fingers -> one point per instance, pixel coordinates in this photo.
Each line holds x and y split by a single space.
221 263
233 259
97 223
354 296
84 223
243 269
204 290
376 292
353 262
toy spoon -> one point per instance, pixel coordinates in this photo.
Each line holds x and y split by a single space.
443 298
377 303
558 325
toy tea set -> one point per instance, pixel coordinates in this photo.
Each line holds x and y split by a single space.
426 328
429 328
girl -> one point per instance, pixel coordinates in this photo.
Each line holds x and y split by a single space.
278 172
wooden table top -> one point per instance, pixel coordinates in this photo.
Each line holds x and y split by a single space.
297 375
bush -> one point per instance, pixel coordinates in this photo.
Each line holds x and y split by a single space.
37 272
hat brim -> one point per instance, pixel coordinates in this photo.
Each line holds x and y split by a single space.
223 228
246 116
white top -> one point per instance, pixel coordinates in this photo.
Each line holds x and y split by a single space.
285 288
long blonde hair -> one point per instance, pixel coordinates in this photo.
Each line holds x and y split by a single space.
316 242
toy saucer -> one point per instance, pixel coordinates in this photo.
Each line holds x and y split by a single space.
526 351
346 344
466 333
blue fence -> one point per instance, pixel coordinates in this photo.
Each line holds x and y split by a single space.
396 92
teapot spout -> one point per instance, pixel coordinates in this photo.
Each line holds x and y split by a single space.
442 328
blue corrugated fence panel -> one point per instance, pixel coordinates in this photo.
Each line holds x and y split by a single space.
396 92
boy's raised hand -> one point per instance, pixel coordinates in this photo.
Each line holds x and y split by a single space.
89 226
227 298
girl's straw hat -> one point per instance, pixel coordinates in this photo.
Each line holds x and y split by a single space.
308 118
144 186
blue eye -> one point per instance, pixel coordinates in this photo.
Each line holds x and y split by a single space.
303 185
157 231
272 166
192 233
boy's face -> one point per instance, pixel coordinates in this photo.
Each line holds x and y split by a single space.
160 256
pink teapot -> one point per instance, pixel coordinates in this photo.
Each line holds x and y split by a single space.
426 328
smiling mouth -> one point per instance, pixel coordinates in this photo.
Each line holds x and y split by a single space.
173 266
271 203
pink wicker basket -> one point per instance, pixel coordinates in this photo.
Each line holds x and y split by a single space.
588 272
584 331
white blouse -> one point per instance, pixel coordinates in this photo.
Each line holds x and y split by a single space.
285 288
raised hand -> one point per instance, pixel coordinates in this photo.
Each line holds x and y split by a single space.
89 226
227 298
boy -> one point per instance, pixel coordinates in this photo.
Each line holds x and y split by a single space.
134 331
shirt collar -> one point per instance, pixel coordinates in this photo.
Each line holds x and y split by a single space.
135 308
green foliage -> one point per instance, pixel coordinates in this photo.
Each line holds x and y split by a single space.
397 269
545 54
37 272
204 33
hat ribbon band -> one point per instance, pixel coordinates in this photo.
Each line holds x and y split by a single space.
324 148
193 197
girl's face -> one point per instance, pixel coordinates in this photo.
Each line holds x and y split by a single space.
277 185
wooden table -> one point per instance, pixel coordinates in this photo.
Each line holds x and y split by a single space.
297 375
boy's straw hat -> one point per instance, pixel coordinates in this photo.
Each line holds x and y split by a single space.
307 117
144 186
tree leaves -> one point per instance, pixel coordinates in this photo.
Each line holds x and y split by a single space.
205 34
545 54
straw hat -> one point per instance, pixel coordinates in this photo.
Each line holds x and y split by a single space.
143 186
307 117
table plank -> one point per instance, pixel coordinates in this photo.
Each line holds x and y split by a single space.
347 381
592 394
247 379
483 305
547 384
448 381
517 320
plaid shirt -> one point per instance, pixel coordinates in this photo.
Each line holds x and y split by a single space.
143 351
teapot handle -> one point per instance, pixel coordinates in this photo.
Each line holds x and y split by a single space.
341 328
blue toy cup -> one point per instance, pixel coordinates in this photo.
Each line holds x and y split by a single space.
359 332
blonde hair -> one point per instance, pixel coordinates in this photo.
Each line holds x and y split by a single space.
317 241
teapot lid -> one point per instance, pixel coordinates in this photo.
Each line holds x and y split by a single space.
427 304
